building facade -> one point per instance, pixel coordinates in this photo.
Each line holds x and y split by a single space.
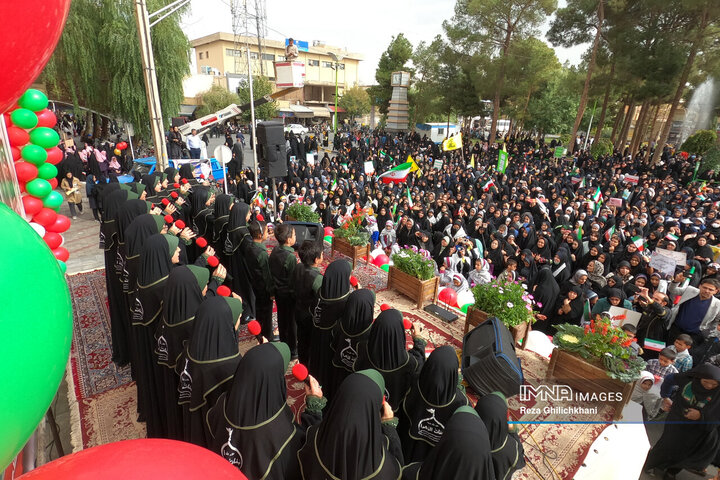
217 55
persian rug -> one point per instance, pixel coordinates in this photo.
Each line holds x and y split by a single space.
106 397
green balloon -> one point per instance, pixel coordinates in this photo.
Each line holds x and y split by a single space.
35 332
464 308
38 188
24 118
385 267
328 238
63 267
47 171
53 200
34 154
45 137
34 100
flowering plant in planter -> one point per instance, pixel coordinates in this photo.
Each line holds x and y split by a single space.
352 231
414 262
302 212
602 342
506 300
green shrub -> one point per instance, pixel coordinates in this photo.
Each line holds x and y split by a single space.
414 263
699 142
302 212
602 147
711 160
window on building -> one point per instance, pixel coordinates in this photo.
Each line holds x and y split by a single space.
206 70
441 131
233 53
253 55
207 54
341 66
327 64
314 63
268 56
201 55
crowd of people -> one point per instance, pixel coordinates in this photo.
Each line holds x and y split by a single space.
575 231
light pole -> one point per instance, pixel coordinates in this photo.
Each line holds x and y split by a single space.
336 59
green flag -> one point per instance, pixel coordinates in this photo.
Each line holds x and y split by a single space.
586 311
502 161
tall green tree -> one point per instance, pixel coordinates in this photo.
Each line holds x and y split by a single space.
394 58
553 109
577 23
355 101
98 65
489 28
215 99
261 87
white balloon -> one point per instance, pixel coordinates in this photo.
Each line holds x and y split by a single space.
465 297
376 252
63 240
39 229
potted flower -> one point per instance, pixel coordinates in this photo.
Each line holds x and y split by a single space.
507 301
596 358
413 275
352 239
301 212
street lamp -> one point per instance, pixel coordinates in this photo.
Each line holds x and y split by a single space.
336 58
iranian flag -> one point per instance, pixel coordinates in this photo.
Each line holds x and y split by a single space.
639 243
634 179
488 185
409 197
609 233
655 345
397 174
597 196
672 237
259 200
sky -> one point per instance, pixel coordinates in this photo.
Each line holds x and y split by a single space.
362 27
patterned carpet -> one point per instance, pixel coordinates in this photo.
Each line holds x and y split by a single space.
106 397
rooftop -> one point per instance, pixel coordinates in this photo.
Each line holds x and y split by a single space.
229 37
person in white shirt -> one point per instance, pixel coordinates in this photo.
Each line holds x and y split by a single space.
194 144
291 51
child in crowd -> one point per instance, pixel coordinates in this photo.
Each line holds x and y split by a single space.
481 274
683 360
663 365
388 237
510 272
630 330
643 395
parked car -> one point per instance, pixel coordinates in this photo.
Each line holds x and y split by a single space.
296 129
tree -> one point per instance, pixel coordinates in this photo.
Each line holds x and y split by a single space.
553 109
393 59
215 99
574 25
489 28
700 142
355 101
261 87
98 65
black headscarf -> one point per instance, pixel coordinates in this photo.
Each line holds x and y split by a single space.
150 181
139 230
432 400
463 453
546 291
252 425
129 211
213 336
386 343
336 281
349 442
156 258
507 450
221 214
352 329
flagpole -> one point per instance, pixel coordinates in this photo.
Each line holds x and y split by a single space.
590 126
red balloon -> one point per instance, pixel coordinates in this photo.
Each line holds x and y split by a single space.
25 54
55 155
15 153
62 223
329 231
53 239
154 458
17 136
381 260
45 217
25 171
46 118
61 253
122 146
32 205
449 296
53 183
260 217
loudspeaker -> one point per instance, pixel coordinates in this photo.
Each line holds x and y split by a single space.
445 315
270 133
307 231
273 160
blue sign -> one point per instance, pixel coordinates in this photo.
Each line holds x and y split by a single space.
301 46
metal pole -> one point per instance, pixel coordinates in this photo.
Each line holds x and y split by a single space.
151 86
132 150
177 7
254 142
336 98
590 126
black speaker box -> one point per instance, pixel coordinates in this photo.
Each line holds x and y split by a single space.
270 133
273 160
307 231
445 315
